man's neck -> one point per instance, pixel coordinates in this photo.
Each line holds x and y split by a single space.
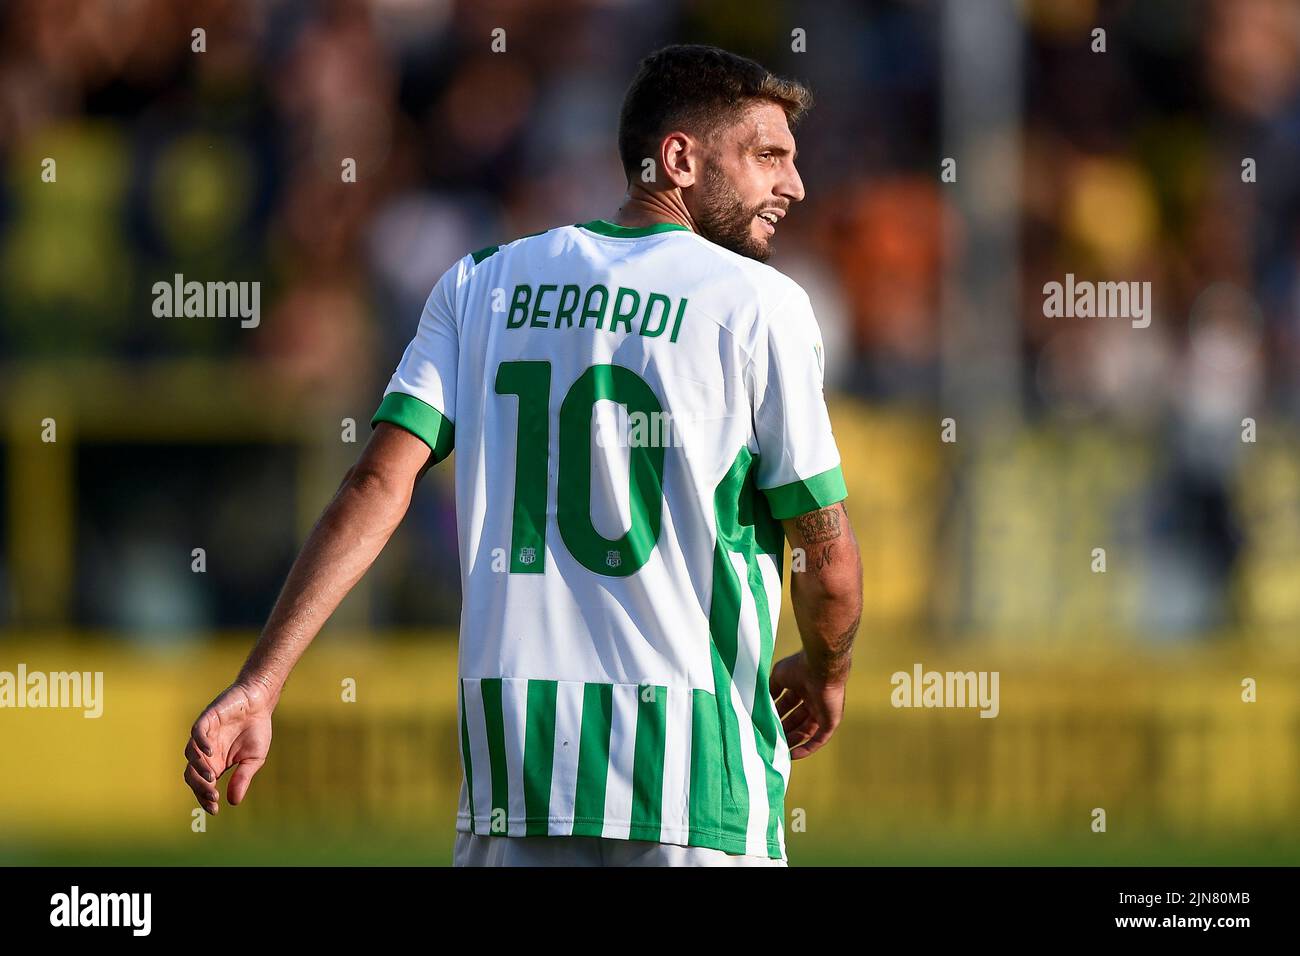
644 208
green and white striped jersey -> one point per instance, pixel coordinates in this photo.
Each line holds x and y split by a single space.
632 412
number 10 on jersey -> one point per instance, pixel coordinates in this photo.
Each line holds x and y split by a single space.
614 557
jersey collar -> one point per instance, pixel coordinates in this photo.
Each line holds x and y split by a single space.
604 227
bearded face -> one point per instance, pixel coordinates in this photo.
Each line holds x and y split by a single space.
723 217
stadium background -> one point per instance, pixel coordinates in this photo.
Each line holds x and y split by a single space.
1120 690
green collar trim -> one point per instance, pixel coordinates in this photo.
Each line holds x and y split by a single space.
604 227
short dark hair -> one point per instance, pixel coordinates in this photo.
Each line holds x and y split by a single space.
696 88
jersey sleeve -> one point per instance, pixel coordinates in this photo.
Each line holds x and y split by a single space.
798 463
421 395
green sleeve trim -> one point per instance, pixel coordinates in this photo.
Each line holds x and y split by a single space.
810 494
420 419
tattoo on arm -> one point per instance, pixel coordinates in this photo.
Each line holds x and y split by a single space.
835 664
817 527
824 559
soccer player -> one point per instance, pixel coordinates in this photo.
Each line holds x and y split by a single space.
637 411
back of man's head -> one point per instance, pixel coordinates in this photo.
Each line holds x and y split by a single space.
696 89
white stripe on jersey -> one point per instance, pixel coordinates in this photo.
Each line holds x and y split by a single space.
514 708
676 803
480 762
622 755
564 770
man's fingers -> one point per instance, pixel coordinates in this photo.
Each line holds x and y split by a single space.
241 779
199 762
208 796
812 744
201 732
801 733
798 723
789 705
807 750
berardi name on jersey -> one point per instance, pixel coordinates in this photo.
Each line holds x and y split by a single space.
572 306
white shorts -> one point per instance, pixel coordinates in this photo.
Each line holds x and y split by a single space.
476 850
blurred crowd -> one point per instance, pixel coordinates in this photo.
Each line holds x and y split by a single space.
227 164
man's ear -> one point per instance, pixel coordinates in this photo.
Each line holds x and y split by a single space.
679 157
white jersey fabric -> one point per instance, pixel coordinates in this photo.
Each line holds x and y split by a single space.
632 411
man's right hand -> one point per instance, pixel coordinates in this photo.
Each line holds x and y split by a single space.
233 731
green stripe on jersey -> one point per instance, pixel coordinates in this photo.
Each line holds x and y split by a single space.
767 723
725 803
593 759
648 763
496 741
539 755
719 800
707 768
464 752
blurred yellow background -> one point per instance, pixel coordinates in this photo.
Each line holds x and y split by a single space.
1090 716
1186 772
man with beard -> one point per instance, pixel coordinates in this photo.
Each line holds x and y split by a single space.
617 701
